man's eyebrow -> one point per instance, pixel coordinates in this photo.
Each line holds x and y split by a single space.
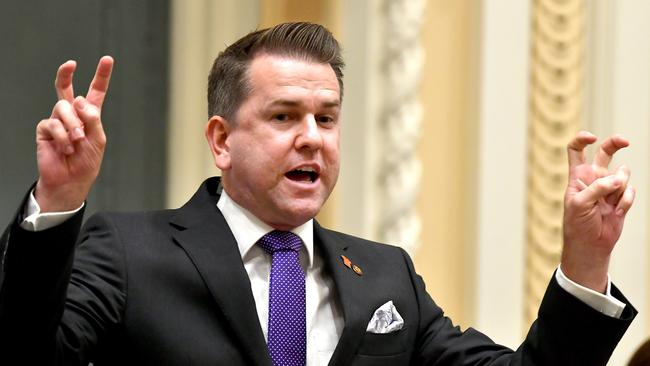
284 103
331 104
295 103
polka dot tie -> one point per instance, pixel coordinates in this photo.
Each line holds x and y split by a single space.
287 319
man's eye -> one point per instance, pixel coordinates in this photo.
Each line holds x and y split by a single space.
282 117
324 119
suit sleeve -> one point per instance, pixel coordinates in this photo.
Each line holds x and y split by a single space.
566 332
51 311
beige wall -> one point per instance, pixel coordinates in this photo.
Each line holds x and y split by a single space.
619 92
199 29
318 11
446 152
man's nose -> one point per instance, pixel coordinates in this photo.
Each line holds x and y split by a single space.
310 136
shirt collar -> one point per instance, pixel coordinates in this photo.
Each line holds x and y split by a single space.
248 229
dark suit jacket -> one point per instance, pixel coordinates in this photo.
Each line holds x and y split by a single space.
169 288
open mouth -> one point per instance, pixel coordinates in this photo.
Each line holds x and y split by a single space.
303 175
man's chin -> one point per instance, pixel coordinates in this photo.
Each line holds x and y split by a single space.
297 215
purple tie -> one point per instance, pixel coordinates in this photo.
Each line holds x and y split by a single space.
287 319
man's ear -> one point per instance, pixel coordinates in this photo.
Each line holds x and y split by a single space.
217 131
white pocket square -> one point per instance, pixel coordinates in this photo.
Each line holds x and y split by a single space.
386 319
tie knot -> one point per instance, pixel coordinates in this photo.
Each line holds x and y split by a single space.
280 241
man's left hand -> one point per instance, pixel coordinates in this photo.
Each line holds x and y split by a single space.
595 204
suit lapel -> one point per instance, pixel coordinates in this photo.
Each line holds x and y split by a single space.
350 288
203 233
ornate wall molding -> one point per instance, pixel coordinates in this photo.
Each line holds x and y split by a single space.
400 168
556 111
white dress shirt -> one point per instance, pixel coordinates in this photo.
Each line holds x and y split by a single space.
324 314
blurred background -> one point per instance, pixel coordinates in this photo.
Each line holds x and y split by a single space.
456 117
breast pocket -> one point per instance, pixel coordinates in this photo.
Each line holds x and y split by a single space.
387 344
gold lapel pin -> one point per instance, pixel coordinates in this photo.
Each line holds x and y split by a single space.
357 269
348 263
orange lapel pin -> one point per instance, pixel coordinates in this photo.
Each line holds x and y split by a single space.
346 261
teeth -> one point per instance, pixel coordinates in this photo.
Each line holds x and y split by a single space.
307 170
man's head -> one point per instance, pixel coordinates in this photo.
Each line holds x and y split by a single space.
276 136
228 83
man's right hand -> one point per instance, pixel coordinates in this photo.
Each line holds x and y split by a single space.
70 144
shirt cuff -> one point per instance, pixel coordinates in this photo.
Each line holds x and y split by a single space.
37 221
604 303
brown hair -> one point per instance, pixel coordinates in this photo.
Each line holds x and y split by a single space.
228 83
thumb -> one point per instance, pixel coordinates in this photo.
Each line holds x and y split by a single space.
90 116
598 189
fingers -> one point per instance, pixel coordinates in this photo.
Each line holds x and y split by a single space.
598 189
65 113
90 116
52 129
623 174
73 118
77 119
63 81
626 201
607 150
99 85
576 147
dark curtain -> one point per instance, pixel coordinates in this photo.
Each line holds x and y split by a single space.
37 36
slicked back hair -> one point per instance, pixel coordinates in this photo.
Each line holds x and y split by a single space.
229 84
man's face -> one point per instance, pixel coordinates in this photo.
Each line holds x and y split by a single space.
284 144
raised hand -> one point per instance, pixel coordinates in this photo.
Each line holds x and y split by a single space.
70 144
595 205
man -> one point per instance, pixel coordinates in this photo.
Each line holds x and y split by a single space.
242 274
